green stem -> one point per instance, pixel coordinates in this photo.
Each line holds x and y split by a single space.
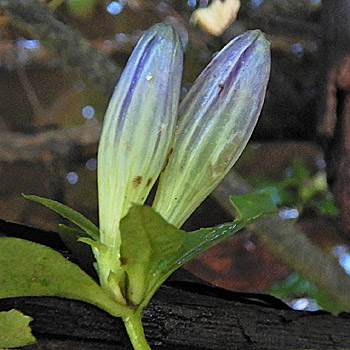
133 325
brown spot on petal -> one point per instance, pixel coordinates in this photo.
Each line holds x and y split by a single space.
124 261
148 182
137 181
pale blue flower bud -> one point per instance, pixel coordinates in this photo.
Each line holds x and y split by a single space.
216 120
138 127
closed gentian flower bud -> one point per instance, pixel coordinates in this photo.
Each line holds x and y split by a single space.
216 120
138 127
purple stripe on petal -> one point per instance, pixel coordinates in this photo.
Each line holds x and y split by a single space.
217 117
147 51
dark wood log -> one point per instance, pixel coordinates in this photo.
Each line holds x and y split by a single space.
185 315
335 102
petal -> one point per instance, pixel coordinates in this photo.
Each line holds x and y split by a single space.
138 127
217 118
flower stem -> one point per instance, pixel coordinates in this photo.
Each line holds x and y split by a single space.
134 328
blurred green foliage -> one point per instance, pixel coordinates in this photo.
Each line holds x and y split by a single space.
82 8
301 189
294 286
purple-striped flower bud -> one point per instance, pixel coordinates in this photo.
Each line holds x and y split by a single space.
138 127
216 120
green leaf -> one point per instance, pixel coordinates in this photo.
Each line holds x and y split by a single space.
14 329
252 206
147 240
31 269
249 208
70 214
81 251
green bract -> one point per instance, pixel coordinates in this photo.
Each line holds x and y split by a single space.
137 247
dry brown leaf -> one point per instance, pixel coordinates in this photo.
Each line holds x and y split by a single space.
215 18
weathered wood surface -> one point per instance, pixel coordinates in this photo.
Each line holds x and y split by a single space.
185 315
